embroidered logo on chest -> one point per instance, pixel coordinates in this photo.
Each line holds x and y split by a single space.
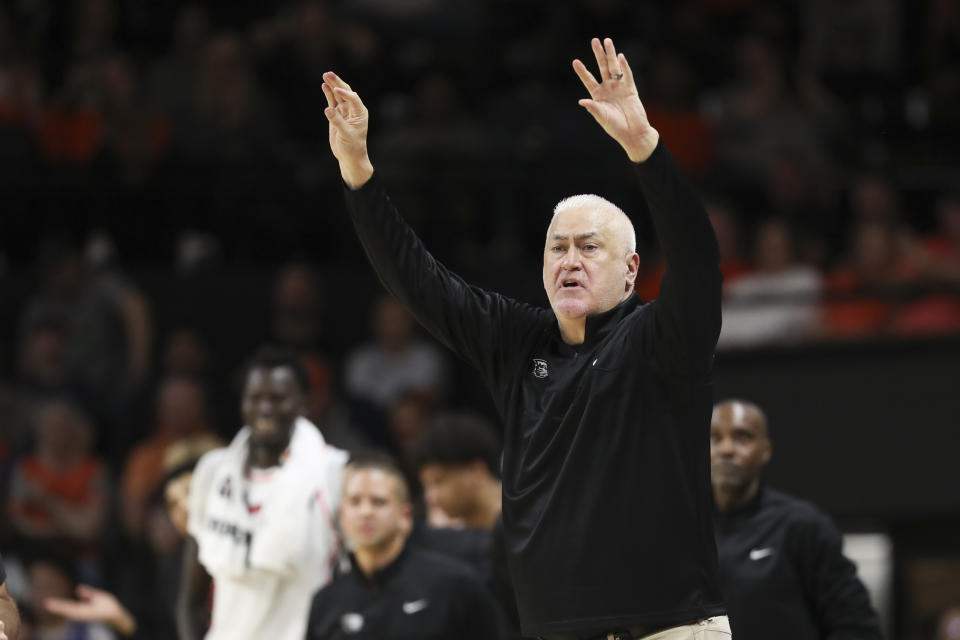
539 368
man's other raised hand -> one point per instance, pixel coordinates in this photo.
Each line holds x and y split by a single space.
349 121
614 101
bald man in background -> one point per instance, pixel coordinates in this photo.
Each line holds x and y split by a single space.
782 566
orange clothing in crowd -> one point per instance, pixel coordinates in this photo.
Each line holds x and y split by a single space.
83 485
647 285
859 314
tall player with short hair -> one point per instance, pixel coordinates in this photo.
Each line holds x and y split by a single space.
261 519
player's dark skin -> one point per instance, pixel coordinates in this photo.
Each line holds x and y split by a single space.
272 400
739 450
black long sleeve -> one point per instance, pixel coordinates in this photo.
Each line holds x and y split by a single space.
607 504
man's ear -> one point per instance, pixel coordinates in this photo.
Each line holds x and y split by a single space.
632 267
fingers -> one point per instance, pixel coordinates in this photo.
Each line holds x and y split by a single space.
86 592
591 107
625 68
60 606
350 98
601 57
610 56
585 76
328 94
334 80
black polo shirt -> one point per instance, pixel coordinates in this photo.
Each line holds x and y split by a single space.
607 502
420 595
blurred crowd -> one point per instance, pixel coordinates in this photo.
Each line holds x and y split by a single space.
144 132
182 134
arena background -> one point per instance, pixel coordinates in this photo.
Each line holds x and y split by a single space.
182 150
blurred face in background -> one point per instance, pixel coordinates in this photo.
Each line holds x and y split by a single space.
739 447
181 408
773 247
63 436
375 511
452 488
392 325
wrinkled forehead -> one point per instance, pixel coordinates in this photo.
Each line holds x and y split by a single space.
591 218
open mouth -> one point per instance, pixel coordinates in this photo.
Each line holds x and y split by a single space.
570 284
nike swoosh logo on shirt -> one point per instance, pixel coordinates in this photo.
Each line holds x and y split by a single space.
413 606
760 554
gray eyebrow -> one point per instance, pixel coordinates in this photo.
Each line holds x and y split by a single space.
579 236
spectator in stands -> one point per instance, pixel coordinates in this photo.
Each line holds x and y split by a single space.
134 137
873 198
60 494
725 220
943 248
778 300
181 413
395 362
109 334
863 288
760 116
782 567
231 120
51 576
297 307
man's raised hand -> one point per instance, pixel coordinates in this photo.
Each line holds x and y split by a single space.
615 103
349 121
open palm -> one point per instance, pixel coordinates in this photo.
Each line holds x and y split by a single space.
614 101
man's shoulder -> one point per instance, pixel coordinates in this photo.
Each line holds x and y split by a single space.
437 568
795 512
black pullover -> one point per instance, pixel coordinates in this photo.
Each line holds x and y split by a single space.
784 574
607 503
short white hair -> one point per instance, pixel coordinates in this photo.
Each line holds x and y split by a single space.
597 202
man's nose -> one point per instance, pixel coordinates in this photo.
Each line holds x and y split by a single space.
724 446
571 259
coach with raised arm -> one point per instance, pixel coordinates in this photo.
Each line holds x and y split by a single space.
606 401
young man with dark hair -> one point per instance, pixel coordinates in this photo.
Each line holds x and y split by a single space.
395 590
458 462
261 514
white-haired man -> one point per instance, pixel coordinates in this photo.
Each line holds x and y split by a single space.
606 402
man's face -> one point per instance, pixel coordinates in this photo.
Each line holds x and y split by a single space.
372 513
450 488
586 269
272 400
181 408
739 446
